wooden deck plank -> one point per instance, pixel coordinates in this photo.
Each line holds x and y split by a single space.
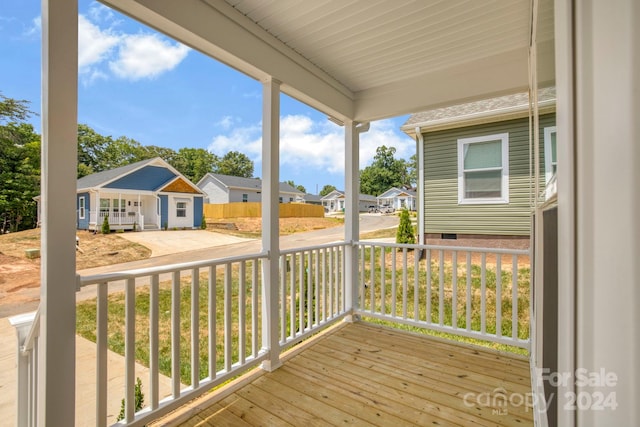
379 396
250 413
296 415
275 386
444 399
426 366
450 356
218 416
364 374
318 387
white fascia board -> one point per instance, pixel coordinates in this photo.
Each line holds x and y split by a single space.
489 77
220 31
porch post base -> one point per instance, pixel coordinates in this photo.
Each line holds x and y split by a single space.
352 318
270 365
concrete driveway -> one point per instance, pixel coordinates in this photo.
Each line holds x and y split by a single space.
174 241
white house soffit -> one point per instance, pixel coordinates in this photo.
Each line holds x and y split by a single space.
219 31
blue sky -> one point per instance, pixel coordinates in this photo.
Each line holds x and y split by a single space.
138 83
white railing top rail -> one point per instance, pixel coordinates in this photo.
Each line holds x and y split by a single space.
171 268
34 333
313 248
447 248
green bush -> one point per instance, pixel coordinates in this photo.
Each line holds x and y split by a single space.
203 224
106 228
139 399
405 234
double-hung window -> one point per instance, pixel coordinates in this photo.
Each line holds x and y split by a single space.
245 198
181 209
483 169
550 160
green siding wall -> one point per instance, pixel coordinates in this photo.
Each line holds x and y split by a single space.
443 214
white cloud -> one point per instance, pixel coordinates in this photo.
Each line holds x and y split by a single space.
94 45
227 121
313 147
105 52
35 28
146 56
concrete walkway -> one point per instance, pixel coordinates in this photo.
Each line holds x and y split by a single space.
85 380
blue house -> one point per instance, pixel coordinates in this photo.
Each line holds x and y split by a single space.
146 195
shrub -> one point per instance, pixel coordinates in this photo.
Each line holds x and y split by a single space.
139 399
106 228
203 224
405 234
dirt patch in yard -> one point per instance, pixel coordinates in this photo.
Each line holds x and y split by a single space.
18 274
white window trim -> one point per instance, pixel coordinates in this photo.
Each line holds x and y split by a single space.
181 209
504 138
81 206
548 171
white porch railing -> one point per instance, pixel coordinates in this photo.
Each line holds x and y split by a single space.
312 291
224 302
474 292
96 218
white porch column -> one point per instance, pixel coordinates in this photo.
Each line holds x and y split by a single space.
56 361
351 213
270 219
598 69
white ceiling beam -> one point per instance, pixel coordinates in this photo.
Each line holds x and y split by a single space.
216 29
485 78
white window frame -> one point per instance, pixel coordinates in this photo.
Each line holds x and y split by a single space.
82 206
178 209
504 198
548 164
245 198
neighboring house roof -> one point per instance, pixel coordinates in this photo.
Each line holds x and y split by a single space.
311 198
140 176
394 191
337 194
487 110
237 182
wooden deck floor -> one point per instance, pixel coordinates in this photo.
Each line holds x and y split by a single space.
362 374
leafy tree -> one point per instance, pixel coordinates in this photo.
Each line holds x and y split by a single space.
91 148
194 163
385 172
405 234
297 187
327 189
412 170
13 110
19 166
236 164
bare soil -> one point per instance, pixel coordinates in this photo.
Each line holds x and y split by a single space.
19 275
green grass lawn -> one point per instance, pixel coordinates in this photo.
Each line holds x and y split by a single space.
86 311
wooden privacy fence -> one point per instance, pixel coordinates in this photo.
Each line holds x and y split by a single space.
254 210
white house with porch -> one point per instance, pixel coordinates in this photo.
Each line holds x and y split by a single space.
397 199
357 62
337 202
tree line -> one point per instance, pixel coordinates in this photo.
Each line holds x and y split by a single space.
20 164
20 161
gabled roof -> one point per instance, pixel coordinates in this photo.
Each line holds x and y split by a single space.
238 182
99 179
487 110
393 191
130 173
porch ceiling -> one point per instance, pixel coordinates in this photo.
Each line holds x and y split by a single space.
364 59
